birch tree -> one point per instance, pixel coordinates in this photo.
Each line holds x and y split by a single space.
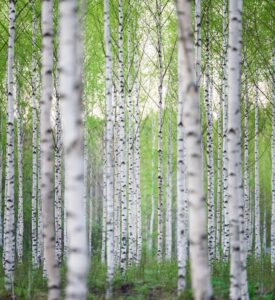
109 150
246 174
181 185
225 212
34 143
9 237
160 95
235 188
192 135
70 59
122 142
168 238
20 217
47 151
58 183
209 150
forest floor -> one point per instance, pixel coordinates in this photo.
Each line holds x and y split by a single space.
148 281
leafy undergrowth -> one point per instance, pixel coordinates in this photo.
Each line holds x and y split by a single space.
147 281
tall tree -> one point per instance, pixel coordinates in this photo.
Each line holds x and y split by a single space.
192 136
9 238
235 188
58 180
122 143
34 140
209 149
181 184
168 237
109 150
159 11
47 150
225 211
20 217
70 67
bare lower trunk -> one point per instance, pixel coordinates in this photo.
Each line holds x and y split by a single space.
47 151
192 137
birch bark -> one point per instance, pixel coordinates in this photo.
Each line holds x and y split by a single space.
47 151
109 150
9 237
70 66
235 188
192 136
257 183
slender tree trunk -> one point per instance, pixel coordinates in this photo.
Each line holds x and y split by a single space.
160 94
34 143
70 62
117 197
104 203
58 183
219 181
131 191
122 142
137 171
9 237
192 137
210 161
168 238
40 252
246 174
181 185
257 182
235 187
20 217
225 212
47 151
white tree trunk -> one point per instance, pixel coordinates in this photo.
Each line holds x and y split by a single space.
109 151
235 192
168 238
104 202
9 237
192 136
257 183
160 95
70 61
34 143
219 181
40 252
20 217
122 142
181 185
117 196
131 191
246 174
209 150
137 172
225 212
58 183
47 151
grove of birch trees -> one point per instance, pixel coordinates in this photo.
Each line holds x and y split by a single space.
137 149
